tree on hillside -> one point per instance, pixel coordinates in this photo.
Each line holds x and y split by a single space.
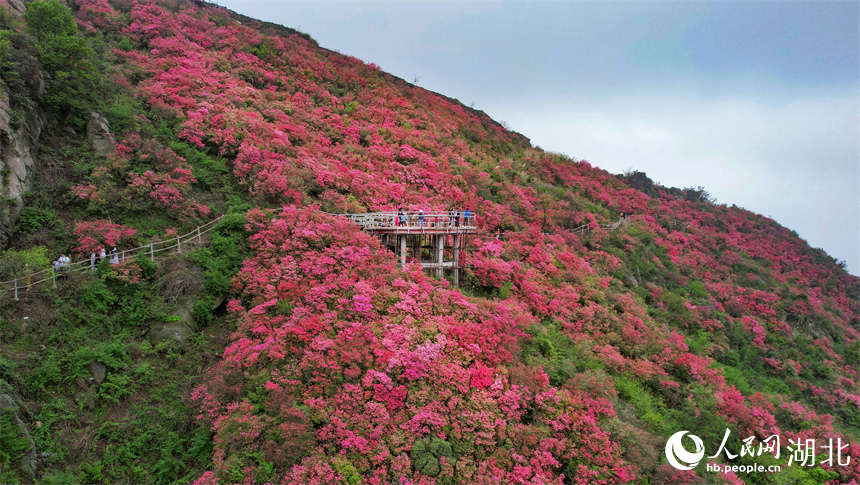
67 57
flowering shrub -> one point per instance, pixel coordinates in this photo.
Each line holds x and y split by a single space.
93 236
139 175
391 370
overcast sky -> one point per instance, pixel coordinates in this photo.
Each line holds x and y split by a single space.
759 102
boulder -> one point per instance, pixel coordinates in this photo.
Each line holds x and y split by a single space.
98 132
218 301
99 371
86 399
178 328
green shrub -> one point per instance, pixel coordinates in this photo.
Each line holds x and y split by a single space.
13 442
648 408
73 82
115 388
34 218
12 262
426 454
147 266
97 298
91 472
201 312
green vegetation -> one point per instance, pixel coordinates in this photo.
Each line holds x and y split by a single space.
68 59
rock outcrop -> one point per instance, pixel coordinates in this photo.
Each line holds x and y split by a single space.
98 132
19 136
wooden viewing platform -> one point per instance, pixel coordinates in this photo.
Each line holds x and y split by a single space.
434 239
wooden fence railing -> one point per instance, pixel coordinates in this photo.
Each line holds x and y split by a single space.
371 220
27 281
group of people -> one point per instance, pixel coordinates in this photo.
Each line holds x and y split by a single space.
114 257
454 214
63 262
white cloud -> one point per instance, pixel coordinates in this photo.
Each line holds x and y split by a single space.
794 160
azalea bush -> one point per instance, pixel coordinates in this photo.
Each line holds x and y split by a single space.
374 373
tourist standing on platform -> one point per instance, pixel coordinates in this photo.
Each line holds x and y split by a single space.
402 217
456 218
421 218
466 215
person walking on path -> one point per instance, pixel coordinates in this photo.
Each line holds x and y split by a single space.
114 257
102 254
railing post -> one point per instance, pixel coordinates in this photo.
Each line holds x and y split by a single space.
178 245
16 289
152 251
199 239
53 277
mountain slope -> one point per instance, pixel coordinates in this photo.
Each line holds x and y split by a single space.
564 358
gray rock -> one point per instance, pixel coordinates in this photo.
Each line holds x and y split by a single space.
185 313
98 132
218 301
175 330
98 370
86 399
17 147
17 5
29 462
170 331
82 384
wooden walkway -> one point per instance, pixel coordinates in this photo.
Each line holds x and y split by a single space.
25 282
434 239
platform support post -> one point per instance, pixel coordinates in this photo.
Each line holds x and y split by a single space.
456 261
402 250
440 250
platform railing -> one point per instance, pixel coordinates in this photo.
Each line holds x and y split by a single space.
410 220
